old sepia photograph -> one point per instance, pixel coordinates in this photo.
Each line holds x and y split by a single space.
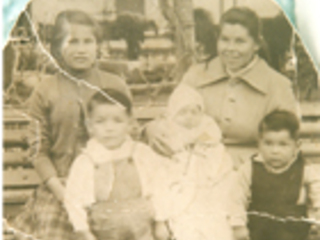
159 120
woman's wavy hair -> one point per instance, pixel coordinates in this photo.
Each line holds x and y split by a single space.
59 29
249 19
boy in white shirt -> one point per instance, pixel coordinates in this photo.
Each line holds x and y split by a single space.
110 187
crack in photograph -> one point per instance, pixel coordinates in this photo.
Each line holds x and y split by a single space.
159 120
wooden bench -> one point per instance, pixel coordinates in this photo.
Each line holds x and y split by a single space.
159 45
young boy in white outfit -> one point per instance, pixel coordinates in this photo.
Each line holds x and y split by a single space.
199 174
276 190
110 187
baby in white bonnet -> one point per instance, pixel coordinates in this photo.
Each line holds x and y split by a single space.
199 173
187 121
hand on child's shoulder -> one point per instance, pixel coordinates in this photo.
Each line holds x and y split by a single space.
158 137
241 233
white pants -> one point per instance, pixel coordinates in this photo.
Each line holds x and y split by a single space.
201 227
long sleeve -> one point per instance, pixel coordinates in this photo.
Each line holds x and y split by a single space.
80 192
284 98
312 181
240 195
39 133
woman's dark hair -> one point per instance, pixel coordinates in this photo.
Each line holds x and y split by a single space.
109 96
249 20
280 120
205 31
246 18
59 29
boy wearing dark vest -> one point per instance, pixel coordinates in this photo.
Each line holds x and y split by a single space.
277 193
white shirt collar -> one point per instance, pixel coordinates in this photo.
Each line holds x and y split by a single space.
100 153
259 158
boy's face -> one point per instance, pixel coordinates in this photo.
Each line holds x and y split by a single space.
278 148
109 124
189 116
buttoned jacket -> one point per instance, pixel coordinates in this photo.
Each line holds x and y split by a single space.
238 104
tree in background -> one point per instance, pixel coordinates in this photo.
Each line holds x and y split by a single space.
179 14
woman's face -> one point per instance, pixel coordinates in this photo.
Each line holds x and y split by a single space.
236 47
79 47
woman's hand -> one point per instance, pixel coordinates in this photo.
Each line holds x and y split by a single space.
161 231
56 187
84 235
159 138
241 233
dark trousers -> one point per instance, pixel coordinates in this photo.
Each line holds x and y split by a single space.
262 228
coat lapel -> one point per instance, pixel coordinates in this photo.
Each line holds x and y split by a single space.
256 76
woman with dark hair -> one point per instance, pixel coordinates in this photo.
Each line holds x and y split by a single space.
58 131
238 86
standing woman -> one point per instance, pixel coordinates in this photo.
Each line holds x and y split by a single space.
57 108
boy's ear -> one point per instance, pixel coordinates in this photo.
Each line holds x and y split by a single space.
298 146
299 143
132 120
134 126
88 126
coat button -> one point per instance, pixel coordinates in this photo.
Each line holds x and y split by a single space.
224 137
227 119
231 99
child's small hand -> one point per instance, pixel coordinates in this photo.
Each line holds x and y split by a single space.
85 235
161 231
158 137
241 233
314 232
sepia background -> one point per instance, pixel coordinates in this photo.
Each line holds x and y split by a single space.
144 45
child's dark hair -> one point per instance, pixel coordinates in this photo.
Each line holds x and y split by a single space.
280 120
110 96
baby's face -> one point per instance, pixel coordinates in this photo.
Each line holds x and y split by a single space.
189 116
